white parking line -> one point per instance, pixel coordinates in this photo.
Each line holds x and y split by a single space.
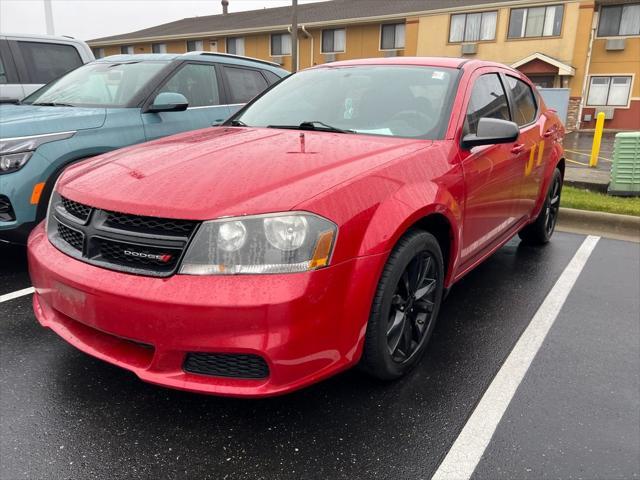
16 294
467 450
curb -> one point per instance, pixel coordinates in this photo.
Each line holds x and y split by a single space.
611 225
587 185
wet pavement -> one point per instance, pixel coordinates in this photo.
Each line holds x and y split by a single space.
577 146
576 414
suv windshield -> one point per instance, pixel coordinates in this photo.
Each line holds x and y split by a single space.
102 84
401 101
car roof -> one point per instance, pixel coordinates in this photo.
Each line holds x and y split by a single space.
443 62
43 38
200 56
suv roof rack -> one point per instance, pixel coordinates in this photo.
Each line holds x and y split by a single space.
240 57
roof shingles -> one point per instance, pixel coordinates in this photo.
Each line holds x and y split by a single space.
318 12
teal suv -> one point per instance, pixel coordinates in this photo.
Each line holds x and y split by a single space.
108 104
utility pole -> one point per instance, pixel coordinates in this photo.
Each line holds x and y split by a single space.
294 35
48 17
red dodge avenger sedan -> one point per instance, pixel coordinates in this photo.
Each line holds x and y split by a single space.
317 229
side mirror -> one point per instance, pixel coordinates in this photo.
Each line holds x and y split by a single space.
168 102
492 131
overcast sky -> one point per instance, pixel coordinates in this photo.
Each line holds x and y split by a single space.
87 19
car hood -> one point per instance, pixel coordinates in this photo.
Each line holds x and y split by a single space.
227 171
25 120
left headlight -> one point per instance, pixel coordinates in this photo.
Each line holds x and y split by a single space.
16 152
274 243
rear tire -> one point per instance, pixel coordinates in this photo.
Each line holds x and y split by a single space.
540 231
405 307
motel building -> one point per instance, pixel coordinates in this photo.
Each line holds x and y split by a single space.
584 55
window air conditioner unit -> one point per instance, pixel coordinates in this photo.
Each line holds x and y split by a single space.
608 112
615 44
279 60
329 57
469 48
390 53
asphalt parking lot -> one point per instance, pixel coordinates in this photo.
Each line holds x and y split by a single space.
575 413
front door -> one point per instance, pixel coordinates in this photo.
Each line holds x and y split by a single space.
492 176
198 82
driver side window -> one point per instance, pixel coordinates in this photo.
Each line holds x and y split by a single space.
488 99
197 82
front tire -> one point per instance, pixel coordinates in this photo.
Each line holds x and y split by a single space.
540 231
405 307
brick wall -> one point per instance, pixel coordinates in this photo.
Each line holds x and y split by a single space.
573 114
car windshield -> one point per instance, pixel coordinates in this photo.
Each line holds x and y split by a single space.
400 101
100 84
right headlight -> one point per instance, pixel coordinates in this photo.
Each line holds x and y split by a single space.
274 243
15 152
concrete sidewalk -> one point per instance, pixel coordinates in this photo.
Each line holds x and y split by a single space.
577 147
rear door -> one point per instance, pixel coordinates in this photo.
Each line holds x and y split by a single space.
200 84
492 177
243 84
530 147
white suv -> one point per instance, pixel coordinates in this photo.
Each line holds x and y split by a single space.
29 61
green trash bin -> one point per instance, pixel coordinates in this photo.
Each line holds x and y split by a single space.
625 171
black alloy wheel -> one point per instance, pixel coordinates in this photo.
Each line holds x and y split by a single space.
405 307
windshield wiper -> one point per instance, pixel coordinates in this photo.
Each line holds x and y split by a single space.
238 123
52 104
314 125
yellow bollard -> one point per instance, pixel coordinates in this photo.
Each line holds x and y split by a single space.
597 138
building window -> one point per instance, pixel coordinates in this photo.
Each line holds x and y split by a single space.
472 27
280 44
392 36
195 45
536 21
609 91
235 45
126 50
334 40
618 20
98 52
159 47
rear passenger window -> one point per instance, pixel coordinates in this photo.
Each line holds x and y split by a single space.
197 82
47 61
488 99
271 77
524 101
244 84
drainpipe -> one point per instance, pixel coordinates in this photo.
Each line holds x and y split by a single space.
587 68
294 36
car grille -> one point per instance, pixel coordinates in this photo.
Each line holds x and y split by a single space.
152 225
74 238
6 210
119 241
226 365
76 209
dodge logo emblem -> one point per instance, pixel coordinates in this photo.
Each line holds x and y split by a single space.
163 257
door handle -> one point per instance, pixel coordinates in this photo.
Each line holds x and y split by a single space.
517 148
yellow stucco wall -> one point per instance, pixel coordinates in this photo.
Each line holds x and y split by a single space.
581 47
433 40
626 61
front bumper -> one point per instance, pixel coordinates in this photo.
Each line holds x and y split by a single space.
306 326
